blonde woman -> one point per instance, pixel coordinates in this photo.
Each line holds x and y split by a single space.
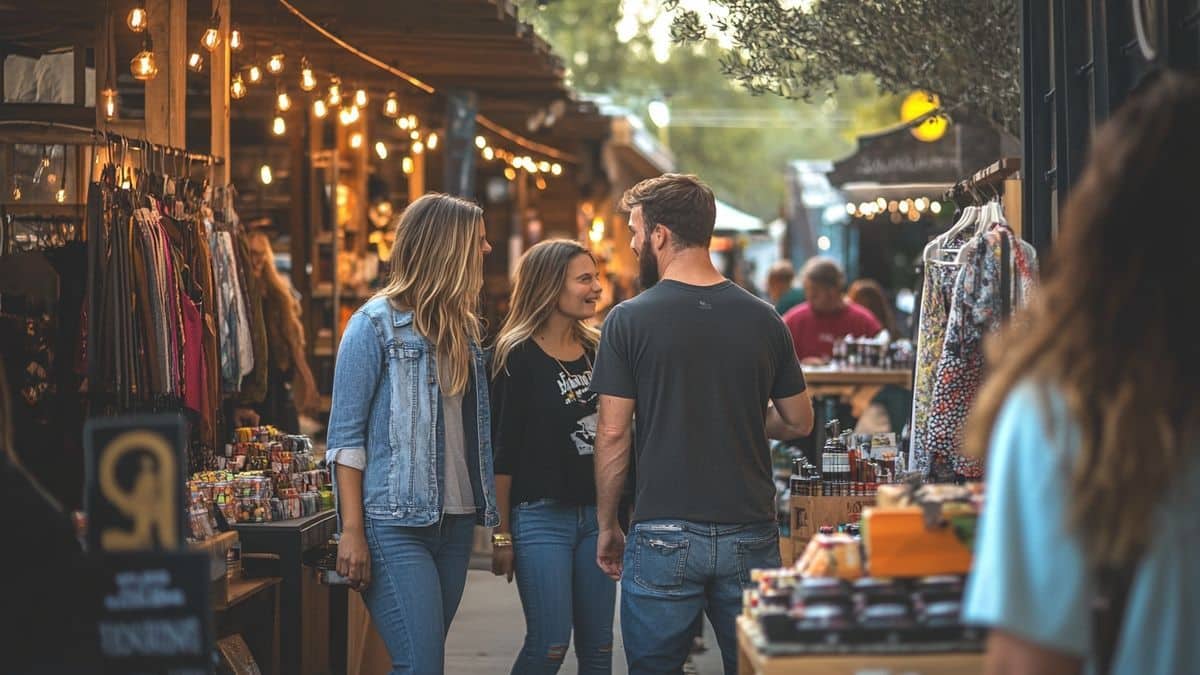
545 422
410 434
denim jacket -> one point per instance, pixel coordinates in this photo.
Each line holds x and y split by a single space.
386 420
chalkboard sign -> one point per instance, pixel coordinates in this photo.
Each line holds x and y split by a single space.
135 483
156 616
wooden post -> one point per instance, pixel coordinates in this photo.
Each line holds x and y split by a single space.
105 49
416 182
166 104
219 93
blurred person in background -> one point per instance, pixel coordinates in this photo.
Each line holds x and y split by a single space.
869 294
780 290
1088 545
826 316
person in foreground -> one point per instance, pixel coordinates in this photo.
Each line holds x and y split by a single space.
410 432
1091 421
545 431
699 360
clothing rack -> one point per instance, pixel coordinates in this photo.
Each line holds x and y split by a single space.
990 179
100 135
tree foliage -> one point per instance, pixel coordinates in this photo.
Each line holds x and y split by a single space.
965 51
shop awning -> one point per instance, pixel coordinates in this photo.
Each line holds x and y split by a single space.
733 221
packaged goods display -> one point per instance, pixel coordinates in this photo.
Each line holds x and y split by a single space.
268 476
873 353
850 465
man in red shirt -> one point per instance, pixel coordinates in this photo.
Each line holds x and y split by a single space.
827 315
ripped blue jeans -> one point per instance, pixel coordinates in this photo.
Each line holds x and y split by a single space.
554 550
676 569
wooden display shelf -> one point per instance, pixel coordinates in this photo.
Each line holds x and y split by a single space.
857 377
752 661
242 590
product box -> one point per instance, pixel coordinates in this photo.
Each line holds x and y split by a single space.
810 513
217 549
900 544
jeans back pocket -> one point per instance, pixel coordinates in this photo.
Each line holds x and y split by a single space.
757 548
660 560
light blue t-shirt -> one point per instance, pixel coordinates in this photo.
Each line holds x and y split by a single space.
1030 577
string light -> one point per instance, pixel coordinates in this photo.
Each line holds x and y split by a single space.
540 183
480 142
264 174
544 166
489 154
356 140
334 98
412 122
418 147
414 135
881 203
936 208
556 169
320 109
144 66
360 98
195 62
510 173
432 141
391 106
16 192
136 19
60 196
851 209
348 115
235 40
255 74
308 81
275 64
278 126
212 35
237 88
381 150
407 166
109 98
283 102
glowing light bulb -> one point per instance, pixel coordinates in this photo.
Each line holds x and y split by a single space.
407 166
412 122
921 204
381 150
432 141
308 81
360 98
235 40
275 64
489 154
278 126
254 74
510 173
237 88
264 174
881 203
195 62
414 135
850 208
320 109
356 140
402 123
480 142
16 193
109 100
596 236
60 196
418 147
544 166
348 115
137 20
335 93
936 208
144 66
540 183
211 38
391 106
283 102
556 169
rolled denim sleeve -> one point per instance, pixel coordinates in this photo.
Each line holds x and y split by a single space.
356 376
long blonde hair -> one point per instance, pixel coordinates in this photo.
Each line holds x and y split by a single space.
541 277
293 332
1111 328
437 272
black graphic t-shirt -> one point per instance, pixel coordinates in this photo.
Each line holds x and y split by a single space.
544 426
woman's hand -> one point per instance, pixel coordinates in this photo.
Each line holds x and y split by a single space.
354 559
502 562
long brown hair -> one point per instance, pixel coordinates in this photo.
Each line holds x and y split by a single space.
869 294
1111 328
437 272
541 276
293 332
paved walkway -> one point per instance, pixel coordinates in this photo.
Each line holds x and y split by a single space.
489 628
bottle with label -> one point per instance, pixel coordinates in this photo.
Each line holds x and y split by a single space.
831 459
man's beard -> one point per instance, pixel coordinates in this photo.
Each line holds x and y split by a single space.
647 266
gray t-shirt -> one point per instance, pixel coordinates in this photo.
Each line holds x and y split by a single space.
460 499
701 363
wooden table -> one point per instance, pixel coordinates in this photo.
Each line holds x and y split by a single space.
242 612
751 661
856 377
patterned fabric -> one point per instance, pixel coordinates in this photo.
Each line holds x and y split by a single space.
931 335
977 309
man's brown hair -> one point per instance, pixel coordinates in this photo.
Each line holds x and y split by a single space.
682 203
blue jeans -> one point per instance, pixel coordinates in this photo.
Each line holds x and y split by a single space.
676 569
560 586
417 580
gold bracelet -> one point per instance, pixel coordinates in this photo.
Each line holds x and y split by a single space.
503 539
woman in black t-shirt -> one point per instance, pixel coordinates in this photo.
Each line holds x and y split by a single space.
545 428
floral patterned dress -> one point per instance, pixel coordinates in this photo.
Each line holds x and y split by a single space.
997 275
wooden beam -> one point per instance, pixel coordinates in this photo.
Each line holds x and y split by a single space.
219 96
166 103
105 48
80 80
